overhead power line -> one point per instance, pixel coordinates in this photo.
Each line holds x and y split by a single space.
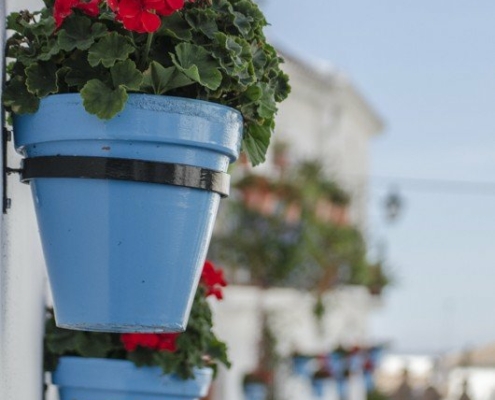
436 185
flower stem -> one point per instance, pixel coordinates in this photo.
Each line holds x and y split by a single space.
146 51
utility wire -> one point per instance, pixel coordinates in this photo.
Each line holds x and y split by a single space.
435 185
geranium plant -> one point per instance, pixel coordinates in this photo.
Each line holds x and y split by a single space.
212 50
177 353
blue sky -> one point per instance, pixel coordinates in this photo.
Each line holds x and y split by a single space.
428 68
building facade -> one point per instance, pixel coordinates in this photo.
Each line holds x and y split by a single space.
324 119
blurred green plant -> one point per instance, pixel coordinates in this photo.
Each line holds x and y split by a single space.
293 233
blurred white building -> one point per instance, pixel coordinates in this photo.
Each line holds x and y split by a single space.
325 118
328 119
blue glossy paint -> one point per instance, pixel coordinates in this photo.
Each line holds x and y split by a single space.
104 379
127 256
255 391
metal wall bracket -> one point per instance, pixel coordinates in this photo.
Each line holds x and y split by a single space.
6 170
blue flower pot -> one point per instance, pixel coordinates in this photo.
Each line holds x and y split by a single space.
255 391
126 256
376 354
356 361
336 362
342 388
301 366
319 387
369 381
105 379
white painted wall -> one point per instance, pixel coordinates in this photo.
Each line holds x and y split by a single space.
325 118
22 287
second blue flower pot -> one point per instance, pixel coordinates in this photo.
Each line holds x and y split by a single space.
124 255
105 379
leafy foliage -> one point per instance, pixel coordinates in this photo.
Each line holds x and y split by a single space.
275 233
210 50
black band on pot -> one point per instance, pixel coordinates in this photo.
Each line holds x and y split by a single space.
126 170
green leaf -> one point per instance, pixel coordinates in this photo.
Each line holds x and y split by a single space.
243 24
197 63
203 20
267 106
126 74
61 81
159 80
80 33
259 58
81 72
44 27
110 49
16 49
49 50
253 93
94 344
281 86
175 26
218 350
61 341
101 100
251 11
255 142
141 357
14 22
42 78
234 55
17 97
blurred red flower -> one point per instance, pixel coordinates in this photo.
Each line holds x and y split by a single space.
63 8
213 280
154 341
143 15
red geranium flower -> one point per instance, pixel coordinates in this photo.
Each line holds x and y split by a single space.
63 8
154 341
143 15
213 280
168 342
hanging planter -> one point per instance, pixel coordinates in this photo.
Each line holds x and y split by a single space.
255 385
97 379
126 207
126 161
320 381
319 387
302 365
255 391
